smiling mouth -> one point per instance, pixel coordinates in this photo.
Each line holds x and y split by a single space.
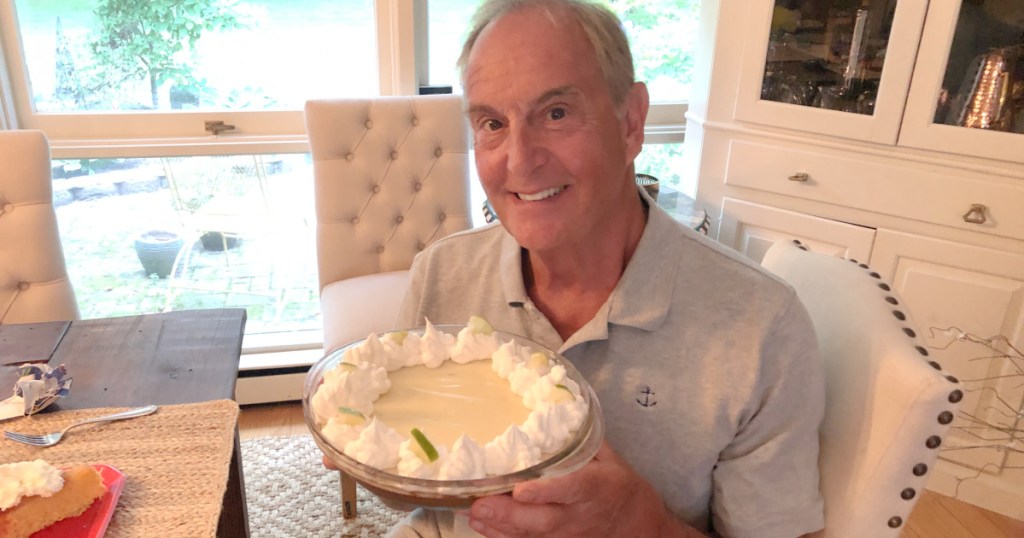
542 195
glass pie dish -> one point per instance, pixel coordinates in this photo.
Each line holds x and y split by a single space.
406 492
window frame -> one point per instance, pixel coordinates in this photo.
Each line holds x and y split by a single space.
402 54
402 66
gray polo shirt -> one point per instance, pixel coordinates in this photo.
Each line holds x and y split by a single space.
706 367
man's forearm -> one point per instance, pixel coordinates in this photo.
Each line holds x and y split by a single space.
673 528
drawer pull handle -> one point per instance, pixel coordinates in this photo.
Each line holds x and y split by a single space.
976 214
800 177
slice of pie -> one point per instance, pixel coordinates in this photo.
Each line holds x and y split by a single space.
82 486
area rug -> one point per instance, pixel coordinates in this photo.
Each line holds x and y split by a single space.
291 495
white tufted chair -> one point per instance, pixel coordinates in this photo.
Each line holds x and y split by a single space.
391 176
34 283
887 405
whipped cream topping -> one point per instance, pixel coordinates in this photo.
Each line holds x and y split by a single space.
511 451
377 445
27 478
343 404
466 462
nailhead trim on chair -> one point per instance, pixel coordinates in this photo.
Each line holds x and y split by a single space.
944 418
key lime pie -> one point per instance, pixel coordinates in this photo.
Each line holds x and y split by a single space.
35 494
433 411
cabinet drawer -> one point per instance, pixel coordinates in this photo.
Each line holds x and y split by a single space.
753 228
917 191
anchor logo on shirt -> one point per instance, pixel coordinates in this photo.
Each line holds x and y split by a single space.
648 400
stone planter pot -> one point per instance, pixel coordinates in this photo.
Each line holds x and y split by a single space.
216 241
157 250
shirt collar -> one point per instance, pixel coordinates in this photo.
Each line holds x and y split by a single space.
643 295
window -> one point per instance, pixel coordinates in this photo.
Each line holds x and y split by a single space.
128 124
98 56
145 235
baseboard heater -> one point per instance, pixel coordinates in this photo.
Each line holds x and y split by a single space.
269 385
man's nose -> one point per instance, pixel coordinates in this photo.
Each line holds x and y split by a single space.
525 150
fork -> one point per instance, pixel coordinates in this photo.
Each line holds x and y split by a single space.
51 439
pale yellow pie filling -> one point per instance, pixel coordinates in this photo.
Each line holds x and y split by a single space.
450 400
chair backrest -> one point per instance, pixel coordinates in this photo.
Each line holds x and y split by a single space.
887 405
391 176
34 283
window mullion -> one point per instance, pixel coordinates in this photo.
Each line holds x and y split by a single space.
10 64
8 117
401 45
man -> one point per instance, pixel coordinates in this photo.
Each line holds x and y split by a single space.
705 366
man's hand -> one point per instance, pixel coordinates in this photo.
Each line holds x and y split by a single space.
604 498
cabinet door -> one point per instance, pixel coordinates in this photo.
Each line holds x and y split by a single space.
979 291
829 68
967 95
752 228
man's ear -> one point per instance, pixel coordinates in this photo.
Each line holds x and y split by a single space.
635 116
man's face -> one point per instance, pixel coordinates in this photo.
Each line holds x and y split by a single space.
553 153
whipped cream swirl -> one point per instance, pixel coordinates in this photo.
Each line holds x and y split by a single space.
28 478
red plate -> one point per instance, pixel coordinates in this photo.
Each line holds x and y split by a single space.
93 522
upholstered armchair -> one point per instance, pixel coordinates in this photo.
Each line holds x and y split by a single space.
391 176
34 283
888 404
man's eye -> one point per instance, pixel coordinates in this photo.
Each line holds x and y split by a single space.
492 125
556 113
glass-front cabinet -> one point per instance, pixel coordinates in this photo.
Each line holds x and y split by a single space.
967 95
945 76
835 67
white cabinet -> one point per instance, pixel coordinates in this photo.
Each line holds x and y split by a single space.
890 131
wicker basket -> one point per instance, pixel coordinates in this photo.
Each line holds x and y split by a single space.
649 183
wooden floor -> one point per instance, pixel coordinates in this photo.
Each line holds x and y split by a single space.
935 516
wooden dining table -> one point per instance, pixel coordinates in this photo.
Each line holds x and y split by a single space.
181 357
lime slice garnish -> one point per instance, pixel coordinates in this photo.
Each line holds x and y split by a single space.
398 337
480 325
428 449
538 361
351 416
349 411
567 391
